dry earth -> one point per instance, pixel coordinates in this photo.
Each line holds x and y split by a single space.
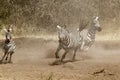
33 58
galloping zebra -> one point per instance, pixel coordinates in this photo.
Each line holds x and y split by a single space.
67 41
88 35
8 47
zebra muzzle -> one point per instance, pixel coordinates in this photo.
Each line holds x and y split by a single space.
99 29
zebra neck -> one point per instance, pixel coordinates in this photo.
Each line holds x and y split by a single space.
92 32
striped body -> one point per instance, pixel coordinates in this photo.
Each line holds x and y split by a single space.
67 41
88 35
8 48
70 41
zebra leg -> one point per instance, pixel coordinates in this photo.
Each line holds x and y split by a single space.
75 50
82 45
7 56
57 51
10 59
87 48
63 57
3 57
89 45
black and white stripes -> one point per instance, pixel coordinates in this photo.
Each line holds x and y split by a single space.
83 39
67 41
8 48
88 35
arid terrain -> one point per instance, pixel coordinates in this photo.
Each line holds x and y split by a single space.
34 57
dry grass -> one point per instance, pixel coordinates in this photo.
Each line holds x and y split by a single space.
99 36
69 12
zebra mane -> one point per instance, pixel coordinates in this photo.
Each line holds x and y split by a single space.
83 26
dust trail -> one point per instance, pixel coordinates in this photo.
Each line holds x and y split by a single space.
33 50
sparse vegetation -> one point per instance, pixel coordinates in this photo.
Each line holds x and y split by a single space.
34 17
50 77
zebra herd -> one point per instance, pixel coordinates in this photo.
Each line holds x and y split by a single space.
83 39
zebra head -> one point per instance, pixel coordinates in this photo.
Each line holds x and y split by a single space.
62 33
96 24
7 33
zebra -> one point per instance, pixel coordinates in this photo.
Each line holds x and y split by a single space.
8 47
67 41
88 35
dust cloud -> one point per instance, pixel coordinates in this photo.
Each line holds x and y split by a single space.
33 55
30 50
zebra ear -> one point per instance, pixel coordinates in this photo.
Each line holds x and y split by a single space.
10 29
59 27
5 30
77 29
97 18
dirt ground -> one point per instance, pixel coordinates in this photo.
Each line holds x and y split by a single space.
33 58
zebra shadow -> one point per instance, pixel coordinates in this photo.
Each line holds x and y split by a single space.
58 62
4 62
